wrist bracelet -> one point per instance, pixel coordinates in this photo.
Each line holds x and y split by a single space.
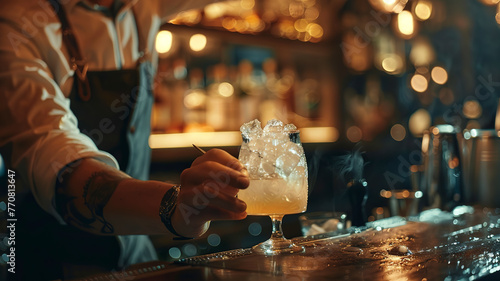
167 208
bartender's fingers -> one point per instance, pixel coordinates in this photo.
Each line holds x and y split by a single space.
210 171
220 156
227 202
212 188
205 195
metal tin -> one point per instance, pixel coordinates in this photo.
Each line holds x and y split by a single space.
481 157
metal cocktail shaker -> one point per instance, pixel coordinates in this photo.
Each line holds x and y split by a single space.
442 177
480 150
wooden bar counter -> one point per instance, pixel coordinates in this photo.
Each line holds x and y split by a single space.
435 245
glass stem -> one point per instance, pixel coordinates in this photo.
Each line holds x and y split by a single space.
277 233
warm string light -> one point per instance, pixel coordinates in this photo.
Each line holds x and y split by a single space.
295 20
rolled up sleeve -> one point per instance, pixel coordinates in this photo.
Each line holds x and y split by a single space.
38 132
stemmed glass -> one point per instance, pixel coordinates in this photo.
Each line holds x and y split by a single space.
276 163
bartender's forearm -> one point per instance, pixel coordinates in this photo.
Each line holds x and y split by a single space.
102 200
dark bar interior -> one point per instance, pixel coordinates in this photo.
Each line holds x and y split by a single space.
394 151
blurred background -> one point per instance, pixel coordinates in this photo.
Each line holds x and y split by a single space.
361 79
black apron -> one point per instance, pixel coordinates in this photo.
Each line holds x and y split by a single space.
113 108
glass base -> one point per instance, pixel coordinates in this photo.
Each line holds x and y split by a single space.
273 247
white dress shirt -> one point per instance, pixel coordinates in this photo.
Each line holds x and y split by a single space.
38 132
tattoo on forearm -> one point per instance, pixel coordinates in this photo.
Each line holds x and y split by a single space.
96 196
97 191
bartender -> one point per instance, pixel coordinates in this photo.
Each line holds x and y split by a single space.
75 99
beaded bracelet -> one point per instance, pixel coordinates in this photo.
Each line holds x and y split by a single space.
167 208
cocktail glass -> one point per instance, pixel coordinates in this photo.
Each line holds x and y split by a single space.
276 163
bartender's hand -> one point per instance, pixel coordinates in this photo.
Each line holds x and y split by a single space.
208 192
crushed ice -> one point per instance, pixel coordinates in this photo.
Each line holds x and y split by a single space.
269 152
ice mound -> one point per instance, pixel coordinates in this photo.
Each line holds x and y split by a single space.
272 152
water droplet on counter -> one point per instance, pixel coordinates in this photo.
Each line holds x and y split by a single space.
354 250
400 250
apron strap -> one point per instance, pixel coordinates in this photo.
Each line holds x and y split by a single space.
144 54
78 63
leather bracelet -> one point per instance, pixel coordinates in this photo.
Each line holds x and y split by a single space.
167 208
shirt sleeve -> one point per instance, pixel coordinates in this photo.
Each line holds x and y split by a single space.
38 132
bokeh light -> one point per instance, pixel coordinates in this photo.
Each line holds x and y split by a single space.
385 193
296 9
195 99
5 258
255 229
406 26
472 109
389 64
419 83
315 30
422 53
198 42
389 6
164 41
229 23
439 75
354 134
180 72
419 121
215 10
311 14
190 250
392 64
174 252
301 25
225 89
423 10
213 240
398 132
247 4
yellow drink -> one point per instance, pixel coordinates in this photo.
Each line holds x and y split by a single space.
275 196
